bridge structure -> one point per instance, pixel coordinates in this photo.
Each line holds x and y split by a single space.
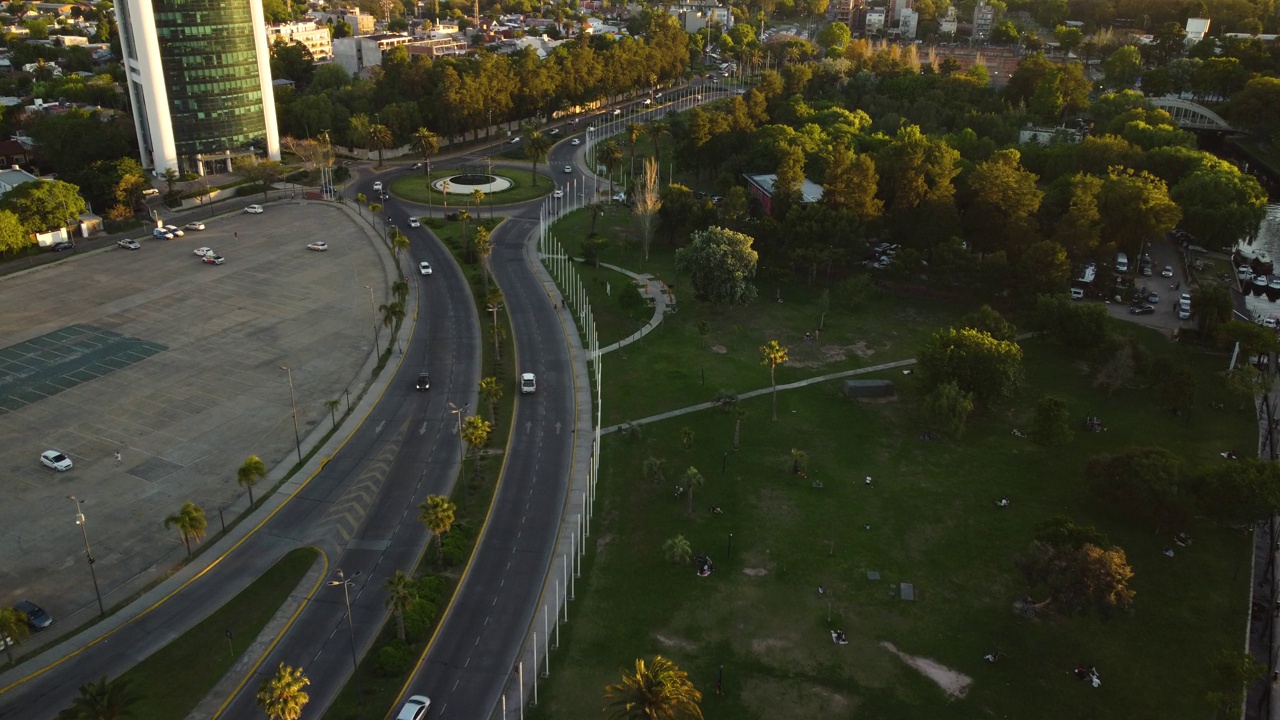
1191 116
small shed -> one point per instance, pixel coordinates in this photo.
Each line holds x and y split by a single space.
870 390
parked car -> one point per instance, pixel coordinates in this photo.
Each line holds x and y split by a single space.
37 618
415 708
150 192
377 186
1153 298
620 197
1077 293
553 132
212 259
617 112
128 244
174 230
64 245
1141 310
558 193
424 382
318 246
202 251
195 226
414 222
528 384
424 267
161 234
254 209
56 460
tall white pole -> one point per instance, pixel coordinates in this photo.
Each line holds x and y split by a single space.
520 667
557 612
546 634
565 563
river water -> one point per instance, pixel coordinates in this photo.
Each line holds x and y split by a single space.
1265 304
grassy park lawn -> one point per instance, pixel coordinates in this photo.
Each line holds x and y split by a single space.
171 682
933 523
414 188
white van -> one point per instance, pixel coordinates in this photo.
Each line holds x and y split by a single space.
1122 263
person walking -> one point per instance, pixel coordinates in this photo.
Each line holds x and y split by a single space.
118 460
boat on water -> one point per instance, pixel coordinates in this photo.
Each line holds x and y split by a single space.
1244 272
1274 284
1261 257
1260 281
1270 323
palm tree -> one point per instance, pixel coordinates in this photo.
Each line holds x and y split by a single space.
654 469
102 700
677 550
491 393
475 432
359 129
399 242
536 148
692 479
739 413
401 595
190 522
774 355
656 690
429 144
13 625
484 248
392 314
250 472
656 130
438 514
611 156
464 217
632 133
477 196
498 335
686 437
333 406
171 178
493 303
400 290
379 139
282 695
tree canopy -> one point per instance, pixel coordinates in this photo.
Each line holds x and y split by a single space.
720 264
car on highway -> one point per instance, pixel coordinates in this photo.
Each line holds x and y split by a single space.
568 169
620 197
56 460
253 209
37 618
161 234
528 384
558 193
415 222
424 267
212 259
617 112
591 128
575 141
128 244
202 251
174 230
64 245
424 382
318 246
415 708
553 132
377 186
1141 310
195 226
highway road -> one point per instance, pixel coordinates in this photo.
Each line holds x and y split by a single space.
365 499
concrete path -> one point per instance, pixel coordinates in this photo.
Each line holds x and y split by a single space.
755 393
659 297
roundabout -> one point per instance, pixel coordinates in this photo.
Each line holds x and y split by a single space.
467 183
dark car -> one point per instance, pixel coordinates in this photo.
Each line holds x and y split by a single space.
37 618
424 381
65 245
1142 310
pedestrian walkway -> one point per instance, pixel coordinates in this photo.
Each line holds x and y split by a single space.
755 393
656 294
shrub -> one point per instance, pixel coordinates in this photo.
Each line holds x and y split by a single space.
455 549
250 189
417 620
431 588
394 659
297 177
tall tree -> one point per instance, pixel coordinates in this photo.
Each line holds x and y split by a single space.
720 264
1080 577
438 514
491 393
692 480
773 354
402 593
190 522
13 237
536 149
975 361
646 203
677 550
1135 209
851 184
484 249
656 690
380 139
250 472
261 172
44 204
283 696
611 156
429 145
102 700
1144 484
475 433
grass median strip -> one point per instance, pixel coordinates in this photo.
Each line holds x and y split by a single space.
172 681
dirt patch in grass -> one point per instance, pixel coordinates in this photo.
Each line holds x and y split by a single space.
955 684
767 646
603 541
755 572
719 349
674 642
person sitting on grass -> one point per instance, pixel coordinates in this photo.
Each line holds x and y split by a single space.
716 510
1003 501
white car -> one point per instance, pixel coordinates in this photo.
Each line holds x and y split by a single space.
377 187
424 267
56 460
1167 271
415 708
575 141
254 209
174 230
318 246
195 226
568 169
528 384
202 251
617 112
414 222
558 193
212 259
128 244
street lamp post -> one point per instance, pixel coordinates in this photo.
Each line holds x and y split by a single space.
373 308
84 532
346 583
297 438
457 412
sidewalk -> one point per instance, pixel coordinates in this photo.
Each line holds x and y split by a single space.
61 648
653 290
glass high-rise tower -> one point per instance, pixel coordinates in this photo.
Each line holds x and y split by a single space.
199 77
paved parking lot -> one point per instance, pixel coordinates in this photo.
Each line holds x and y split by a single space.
176 364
